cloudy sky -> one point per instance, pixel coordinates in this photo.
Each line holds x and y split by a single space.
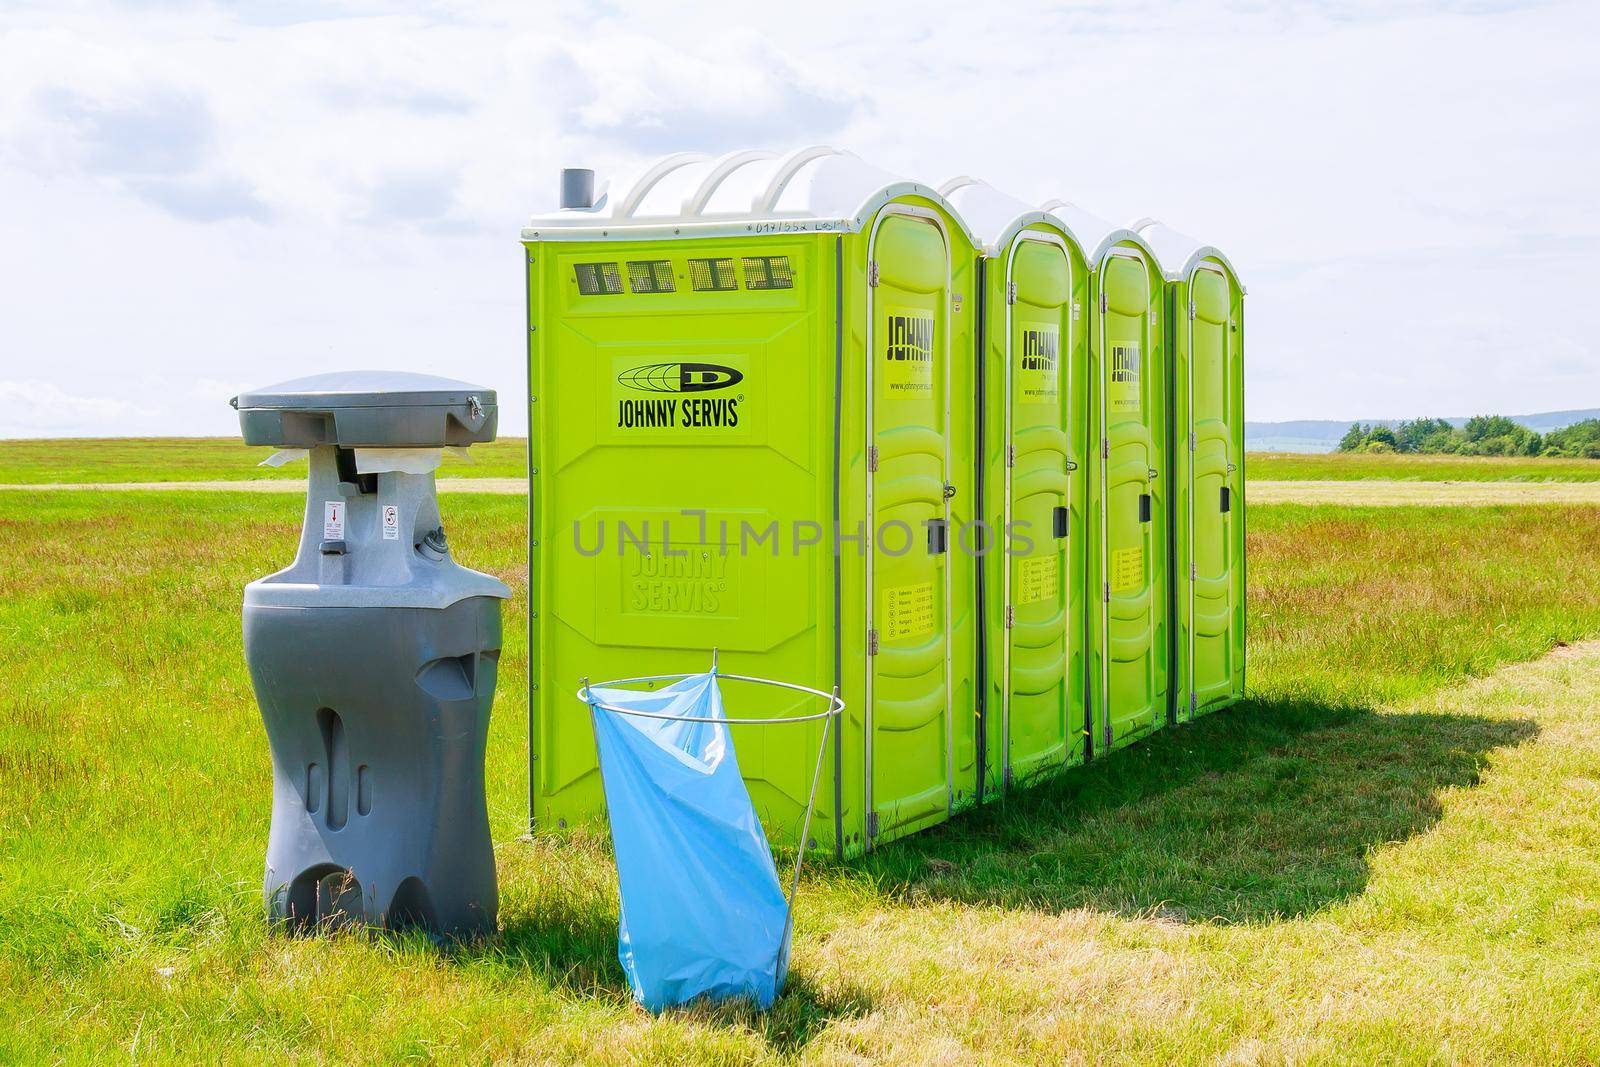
198 198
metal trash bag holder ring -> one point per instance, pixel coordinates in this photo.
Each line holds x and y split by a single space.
834 709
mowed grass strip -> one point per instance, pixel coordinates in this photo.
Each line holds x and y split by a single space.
91 460
69 461
1354 466
1376 856
1377 492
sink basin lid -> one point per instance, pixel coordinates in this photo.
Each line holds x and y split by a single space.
368 408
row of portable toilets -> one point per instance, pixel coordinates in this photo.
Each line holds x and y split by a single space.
975 462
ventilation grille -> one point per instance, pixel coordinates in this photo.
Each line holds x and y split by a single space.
768 272
651 276
712 275
598 279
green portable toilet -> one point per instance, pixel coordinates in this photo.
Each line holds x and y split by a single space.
736 364
1033 431
1205 318
1128 566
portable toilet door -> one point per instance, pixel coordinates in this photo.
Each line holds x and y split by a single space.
1033 434
920 728
1206 315
1129 567
737 366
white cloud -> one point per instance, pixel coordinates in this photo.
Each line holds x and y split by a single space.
30 407
208 191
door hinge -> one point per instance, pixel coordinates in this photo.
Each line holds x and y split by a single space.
1011 292
1191 441
1011 616
955 302
1008 777
1191 309
1011 455
872 458
1105 448
872 642
1194 702
1194 573
1108 592
872 272
872 824
1103 304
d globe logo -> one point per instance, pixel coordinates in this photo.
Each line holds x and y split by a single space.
680 378
673 410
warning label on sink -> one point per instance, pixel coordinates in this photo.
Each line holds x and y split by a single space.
908 611
333 520
1037 579
1127 569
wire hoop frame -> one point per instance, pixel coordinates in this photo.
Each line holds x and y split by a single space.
835 705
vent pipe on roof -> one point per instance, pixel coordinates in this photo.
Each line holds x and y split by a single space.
577 188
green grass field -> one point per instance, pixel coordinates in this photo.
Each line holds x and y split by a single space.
225 459
1337 466
1390 852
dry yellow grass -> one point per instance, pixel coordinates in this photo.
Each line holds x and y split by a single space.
1379 493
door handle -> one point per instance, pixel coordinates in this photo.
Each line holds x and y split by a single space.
938 537
1144 507
1059 519
1227 503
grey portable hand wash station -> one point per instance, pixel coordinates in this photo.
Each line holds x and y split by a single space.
373 658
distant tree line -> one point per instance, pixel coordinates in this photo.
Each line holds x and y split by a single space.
1483 435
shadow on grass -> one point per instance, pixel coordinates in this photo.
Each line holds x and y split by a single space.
1264 811
577 950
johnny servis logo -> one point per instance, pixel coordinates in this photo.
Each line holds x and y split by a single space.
670 407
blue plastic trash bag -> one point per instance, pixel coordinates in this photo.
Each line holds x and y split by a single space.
703 913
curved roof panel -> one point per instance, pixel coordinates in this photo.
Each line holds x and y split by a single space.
996 217
814 189
1098 235
1180 252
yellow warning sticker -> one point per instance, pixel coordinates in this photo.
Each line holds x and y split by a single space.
1124 393
1038 578
908 354
908 611
1037 366
1127 568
